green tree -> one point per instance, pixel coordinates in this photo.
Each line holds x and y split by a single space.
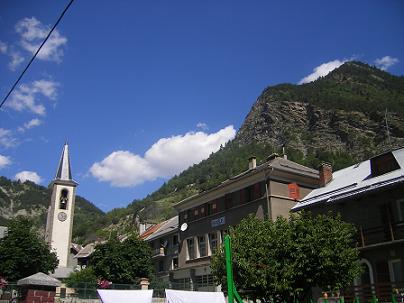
84 282
122 262
284 259
23 252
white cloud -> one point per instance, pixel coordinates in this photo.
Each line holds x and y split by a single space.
15 56
27 95
3 47
322 70
6 138
28 175
33 32
30 124
386 62
165 158
4 161
202 125
16 60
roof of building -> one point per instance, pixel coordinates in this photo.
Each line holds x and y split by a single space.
355 180
39 279
276 163
150 231
164 228
76 247
62 272
86 251
64 171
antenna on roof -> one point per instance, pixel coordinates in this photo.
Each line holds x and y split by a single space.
387 129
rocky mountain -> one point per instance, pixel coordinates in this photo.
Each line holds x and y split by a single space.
353 113
344 111
32 200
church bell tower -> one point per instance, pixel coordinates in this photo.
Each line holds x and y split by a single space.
59 223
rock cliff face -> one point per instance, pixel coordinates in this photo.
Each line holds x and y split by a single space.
309 118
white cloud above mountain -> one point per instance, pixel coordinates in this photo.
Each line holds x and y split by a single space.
322 70
4 161
7 139
28 175
165 158
29 96
386 62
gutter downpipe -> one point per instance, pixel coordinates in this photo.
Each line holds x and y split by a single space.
269 210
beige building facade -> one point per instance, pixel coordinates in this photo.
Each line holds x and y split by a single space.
266 191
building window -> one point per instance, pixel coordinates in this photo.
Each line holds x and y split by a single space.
161 266
184 215
228 202
175 240
204 281
175 263
202 210
191 249
202 246
64 198
213 242
235 196
395 270
212 207
400 206
196 213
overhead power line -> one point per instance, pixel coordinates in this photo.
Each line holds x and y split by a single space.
36 53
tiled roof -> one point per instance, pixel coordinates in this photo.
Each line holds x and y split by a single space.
165 227
149 231
354 180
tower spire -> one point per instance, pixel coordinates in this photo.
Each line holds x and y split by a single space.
64 172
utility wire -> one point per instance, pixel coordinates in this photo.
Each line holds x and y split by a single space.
36 53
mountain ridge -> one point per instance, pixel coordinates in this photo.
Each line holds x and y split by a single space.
339 118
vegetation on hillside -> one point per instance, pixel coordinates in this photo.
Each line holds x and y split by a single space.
353 86
33 200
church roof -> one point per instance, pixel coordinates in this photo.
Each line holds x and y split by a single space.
64 172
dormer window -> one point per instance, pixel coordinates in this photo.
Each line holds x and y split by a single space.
383 164
64 198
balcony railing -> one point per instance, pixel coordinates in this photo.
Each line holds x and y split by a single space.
158 252
382 291
165 251
381 234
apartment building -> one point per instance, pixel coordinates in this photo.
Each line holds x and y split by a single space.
265 191
369 194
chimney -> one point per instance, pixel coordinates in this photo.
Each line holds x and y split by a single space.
252 162
142 228
325 173
285 156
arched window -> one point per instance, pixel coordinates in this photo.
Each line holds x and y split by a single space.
64 198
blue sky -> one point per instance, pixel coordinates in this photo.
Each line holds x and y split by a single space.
143 89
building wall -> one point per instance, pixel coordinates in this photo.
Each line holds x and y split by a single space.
380 230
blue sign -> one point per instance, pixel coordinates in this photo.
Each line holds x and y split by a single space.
218 222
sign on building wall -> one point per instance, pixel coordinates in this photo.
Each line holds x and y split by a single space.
217 222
